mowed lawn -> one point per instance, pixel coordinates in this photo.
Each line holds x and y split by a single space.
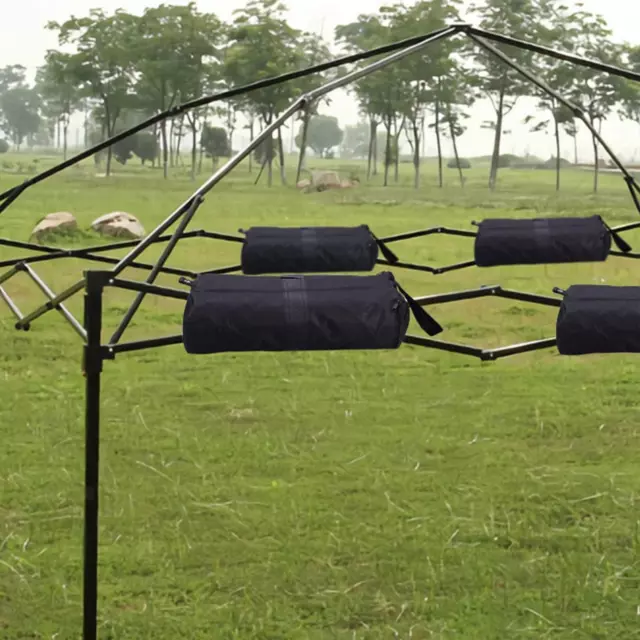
401 494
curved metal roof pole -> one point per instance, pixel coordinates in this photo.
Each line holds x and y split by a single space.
11 194
553 53
577 112
191 205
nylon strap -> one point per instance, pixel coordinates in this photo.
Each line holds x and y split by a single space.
426 322
389 256
617 238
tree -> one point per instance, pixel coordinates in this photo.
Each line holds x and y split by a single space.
629 107
4 146
324 133
355 143
215 142
19 113
454 119
12 76
422 78
564 32
58 92
19 105
123 150
263 44
146 146
172 47
520 19
315 51
373 92
103 65
596 94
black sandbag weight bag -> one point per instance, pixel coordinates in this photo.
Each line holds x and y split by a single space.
503 241
268 250
599 319
232 313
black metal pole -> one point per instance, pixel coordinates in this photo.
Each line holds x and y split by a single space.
10 195
553 53
298 104
577 112
93 360
151 278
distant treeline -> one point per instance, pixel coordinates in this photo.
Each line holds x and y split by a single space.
124 68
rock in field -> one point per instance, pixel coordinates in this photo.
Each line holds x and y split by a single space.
322 180
61 222
119 225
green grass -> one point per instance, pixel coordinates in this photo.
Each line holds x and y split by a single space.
409 494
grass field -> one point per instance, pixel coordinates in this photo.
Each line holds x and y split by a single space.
405 494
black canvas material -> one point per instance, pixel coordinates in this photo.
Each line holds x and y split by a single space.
311 250
599 319
544 241
298 313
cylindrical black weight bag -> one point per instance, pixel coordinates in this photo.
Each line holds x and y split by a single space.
599 319
544 241
298 313
311 250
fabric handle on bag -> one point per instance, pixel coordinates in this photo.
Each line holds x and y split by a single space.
309 240
296 303
384 250
426 322
542 232
617 238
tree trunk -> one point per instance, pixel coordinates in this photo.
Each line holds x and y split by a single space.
596 158
65 137
396 148
438 143
283 174
109 156
97 158
110 127
387 153
194 146
495 158
306 118
374 168
373 132
180 136
454 141
165 149
556 132
267 122
155 135
170 143
416 154
251 136
58 134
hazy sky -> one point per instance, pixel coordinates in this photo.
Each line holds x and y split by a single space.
25 41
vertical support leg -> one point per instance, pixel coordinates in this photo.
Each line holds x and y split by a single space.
93 359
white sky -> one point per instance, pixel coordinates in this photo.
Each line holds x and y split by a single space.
24 40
